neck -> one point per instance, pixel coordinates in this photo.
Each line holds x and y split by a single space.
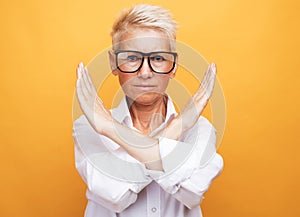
146 118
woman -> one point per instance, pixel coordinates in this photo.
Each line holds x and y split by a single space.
165 149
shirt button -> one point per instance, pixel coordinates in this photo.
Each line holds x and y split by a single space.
153 209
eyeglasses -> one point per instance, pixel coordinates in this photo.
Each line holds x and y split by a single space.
162 62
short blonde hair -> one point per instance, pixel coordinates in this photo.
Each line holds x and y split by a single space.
144 16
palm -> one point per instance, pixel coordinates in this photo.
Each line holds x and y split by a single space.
90 103
197 103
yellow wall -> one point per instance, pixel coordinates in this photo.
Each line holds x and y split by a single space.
256 47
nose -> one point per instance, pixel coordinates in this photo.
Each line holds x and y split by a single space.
145 71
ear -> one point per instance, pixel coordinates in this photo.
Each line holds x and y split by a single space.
173 72
112 61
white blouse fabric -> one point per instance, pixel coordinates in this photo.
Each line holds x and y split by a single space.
119 185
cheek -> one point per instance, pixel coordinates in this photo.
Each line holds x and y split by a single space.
163 83
124 78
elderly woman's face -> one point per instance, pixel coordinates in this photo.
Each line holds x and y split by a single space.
143 86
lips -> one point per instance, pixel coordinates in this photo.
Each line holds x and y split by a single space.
145 86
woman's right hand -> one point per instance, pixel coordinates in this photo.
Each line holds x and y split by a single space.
90 103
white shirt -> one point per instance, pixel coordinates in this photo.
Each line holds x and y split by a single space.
119 185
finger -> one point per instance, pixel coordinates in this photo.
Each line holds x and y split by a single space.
88 82
78 72
85 100
204 84
210 75
92 88
89 78
199 93
90 93
87 88
211 82
85 93
207 75
80 66
205 78
83 73
79 69
205 89
79 79
79 93
214 67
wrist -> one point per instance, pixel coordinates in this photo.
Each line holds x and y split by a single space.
106 128
174 129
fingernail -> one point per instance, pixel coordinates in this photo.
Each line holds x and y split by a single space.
213 67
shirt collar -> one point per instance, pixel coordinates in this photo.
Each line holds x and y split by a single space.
171 111
122 114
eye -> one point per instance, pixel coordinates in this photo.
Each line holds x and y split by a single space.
132 58
157 58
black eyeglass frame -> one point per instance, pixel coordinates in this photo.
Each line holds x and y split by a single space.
146 55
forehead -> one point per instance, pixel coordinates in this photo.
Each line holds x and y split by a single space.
145 40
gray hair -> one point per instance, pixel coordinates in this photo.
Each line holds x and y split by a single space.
144 16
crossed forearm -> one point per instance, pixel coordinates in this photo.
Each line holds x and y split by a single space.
142 147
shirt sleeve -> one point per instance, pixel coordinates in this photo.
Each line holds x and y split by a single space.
190 165
106 176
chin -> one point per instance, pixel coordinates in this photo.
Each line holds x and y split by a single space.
146 98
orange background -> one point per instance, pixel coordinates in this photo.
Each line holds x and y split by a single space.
256 47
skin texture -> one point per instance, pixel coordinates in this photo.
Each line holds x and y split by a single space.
145 90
